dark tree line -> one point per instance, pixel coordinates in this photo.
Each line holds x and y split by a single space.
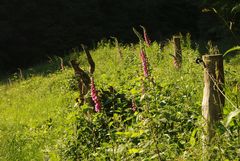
31 30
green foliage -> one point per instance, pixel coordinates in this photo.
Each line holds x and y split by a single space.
41 120
232 115
227 13
236 9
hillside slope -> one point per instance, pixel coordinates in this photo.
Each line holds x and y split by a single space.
40 120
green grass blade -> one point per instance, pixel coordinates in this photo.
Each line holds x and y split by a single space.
138 35
236 8
232 115
231 50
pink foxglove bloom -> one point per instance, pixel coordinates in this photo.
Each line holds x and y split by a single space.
146 38
95 96
144 63
176 63
134 106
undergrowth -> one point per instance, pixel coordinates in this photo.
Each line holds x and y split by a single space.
41 120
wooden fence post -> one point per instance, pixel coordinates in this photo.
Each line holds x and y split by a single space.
83 77
177 52
61 63
20 73
9 81
83 81
213 95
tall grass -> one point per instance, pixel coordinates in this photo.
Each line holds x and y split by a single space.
39 120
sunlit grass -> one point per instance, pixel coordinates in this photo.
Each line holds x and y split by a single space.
36 113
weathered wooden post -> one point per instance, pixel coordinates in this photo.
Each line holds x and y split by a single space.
177 52
61 63
9 81
84 80
89 58
20 73
213 95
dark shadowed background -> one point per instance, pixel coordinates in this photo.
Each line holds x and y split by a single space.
31 30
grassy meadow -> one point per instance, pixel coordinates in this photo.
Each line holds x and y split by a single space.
39 118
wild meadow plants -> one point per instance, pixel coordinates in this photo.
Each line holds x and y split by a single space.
149 110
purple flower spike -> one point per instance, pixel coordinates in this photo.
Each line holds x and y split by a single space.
134 106
95 96
146 38
144 63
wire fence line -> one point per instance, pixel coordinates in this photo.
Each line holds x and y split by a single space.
218 88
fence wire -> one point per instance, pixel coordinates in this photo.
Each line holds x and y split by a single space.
218 88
